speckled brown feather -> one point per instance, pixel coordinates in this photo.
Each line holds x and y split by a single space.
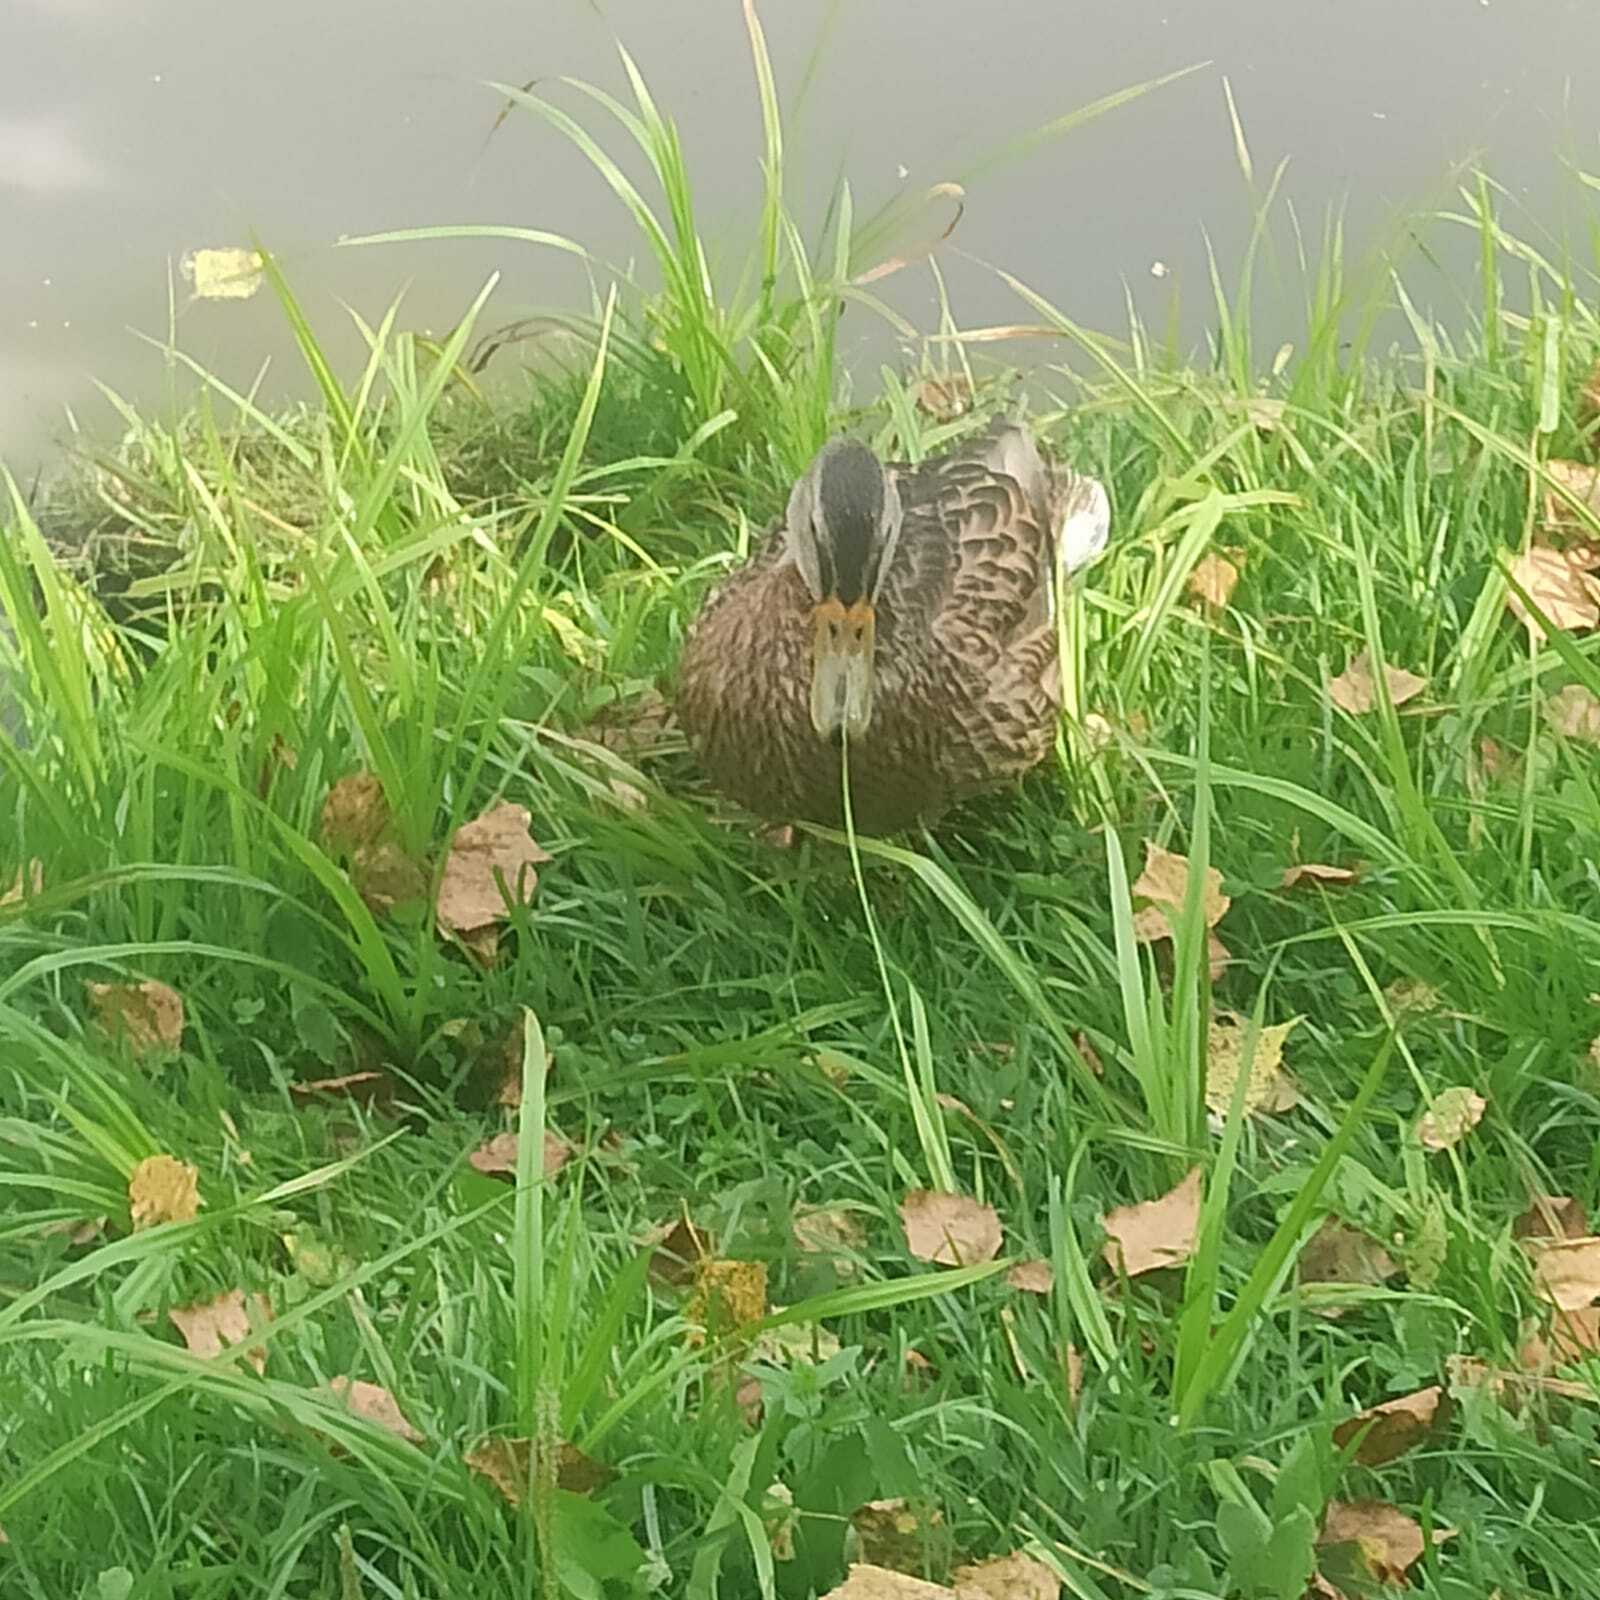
966 684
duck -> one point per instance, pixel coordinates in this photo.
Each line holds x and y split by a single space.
897 623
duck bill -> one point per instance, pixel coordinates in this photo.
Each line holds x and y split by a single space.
841 669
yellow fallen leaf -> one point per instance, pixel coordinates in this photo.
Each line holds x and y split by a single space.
950 1230
147 1017
1165 883
495 847
1574 712
163 1189
1356 688
1014 1577
1453 1115
1154 1233
373 1403
1558 586
1231 1036
727 1295
1214 576
223 274
210 1325
1389 1430
355 813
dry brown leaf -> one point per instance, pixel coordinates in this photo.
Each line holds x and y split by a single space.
1453 1115
944 399
727 1295
1572 1336
29 882
1575 713
950 1230
1032 1277
497 1157
833 1232
1214 576
1581 481
1154 1233
680 1247
1165 883
1557 1216
868 1582
1317 872
1390 1542
356 813
212 1324
1392 1428
147 1017
385 876
163 1189
632 728
896 1534
1558 586
508 1465
1567 1273
372 1403
364 1088
1013 1577
496 846
1217 957
1339 1254
1268 1091
1356 689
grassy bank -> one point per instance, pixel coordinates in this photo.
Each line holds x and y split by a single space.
477 599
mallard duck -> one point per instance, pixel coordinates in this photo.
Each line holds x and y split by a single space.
905 611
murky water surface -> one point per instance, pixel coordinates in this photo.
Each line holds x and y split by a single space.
132 131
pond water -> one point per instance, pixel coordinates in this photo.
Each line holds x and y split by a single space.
132 131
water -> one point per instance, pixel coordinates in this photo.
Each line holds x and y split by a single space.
132 131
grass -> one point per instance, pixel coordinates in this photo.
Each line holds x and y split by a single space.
449 591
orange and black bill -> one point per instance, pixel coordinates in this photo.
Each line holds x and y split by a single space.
841 668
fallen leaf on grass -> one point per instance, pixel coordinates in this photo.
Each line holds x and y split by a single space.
497 1157
868 1582
28 882
833 1232
355 813
1165 883
1557 1216
386 877
1317 872
1571 1337
163 1189
210 1325
1575 713
364 1088
147 1017
1339 1254
1567 1274
1389 1430
680 1247
632 728
1231 1037
896 1534
950 1230
1412 995
1581 481
1032 1277
1558 586
1356 688
1154 1233
727 1295
1452 1116
357 824
1389 1542
1214 576
496 847
372 1403
509 1465
1014 1577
